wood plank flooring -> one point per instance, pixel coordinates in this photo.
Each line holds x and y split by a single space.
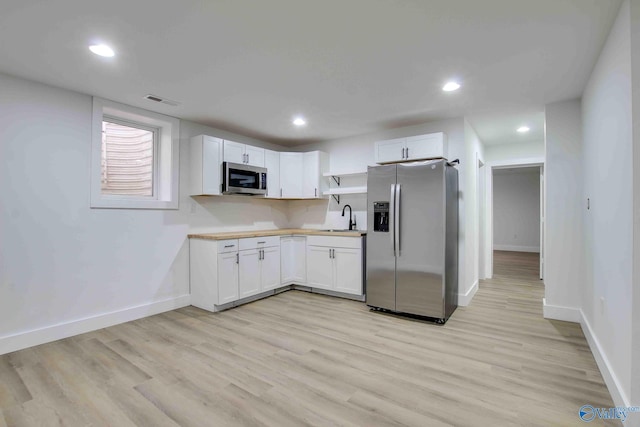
299 359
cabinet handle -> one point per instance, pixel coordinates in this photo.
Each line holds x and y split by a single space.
262 254
247 158
261 243
229 246
407 152
281 192
237 258
315 192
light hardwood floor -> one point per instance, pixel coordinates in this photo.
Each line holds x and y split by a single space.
303 359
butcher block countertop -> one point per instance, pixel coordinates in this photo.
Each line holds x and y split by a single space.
279 232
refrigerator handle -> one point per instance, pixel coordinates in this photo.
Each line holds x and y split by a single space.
396 222
392 217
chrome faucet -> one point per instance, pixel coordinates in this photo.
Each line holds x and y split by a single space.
350 215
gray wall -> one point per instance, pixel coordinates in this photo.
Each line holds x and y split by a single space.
516 209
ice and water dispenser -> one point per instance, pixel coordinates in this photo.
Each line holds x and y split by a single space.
381 216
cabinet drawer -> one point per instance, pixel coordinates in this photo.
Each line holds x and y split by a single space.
227 246
259 242
335 242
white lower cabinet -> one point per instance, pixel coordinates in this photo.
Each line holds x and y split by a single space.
319 267
270 268
259 265
228 277
249 276
335 263
293 260
348 270
225 271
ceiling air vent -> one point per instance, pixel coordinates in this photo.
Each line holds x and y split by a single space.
162 100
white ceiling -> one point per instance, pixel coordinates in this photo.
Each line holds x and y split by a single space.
350 67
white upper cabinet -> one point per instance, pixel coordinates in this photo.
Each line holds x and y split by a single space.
420 147
391 150
255 155
272 163
428 146
290 175
235 152
205 166
314 165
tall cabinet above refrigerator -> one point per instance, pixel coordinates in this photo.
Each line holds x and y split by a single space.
412 243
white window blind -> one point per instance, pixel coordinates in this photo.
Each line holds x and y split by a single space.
127 160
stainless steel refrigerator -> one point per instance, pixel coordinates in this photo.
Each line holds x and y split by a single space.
412 238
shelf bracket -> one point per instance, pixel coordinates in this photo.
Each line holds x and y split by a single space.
336 197
336 179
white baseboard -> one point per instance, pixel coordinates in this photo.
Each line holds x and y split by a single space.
465 299
47 334
558 312
514 248
610 378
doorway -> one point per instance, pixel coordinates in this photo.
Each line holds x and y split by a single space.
513 213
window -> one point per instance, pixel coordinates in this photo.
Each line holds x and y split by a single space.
134 158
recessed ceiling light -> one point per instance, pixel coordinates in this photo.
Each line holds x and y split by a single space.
523 129
299 121
451 86
102 50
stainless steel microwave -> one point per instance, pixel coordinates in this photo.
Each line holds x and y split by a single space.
244 179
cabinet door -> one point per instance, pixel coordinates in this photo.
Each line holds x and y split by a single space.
270 268
319 267
272 163
291 175
390 150
310 175
287 260
211 165
425 146
348 270
233 152
255 155
293 259
300 260
227 277
249 273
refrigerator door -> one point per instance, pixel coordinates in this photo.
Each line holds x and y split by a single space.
381 262
420 210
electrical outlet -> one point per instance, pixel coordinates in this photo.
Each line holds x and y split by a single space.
602 305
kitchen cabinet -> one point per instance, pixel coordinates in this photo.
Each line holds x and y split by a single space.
293 264
205 166
228 270
320 267
259 265
249 274
419 147
270 268
224 272
314 165
213 268
272 163
291 175
335 263
242 153
348 270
